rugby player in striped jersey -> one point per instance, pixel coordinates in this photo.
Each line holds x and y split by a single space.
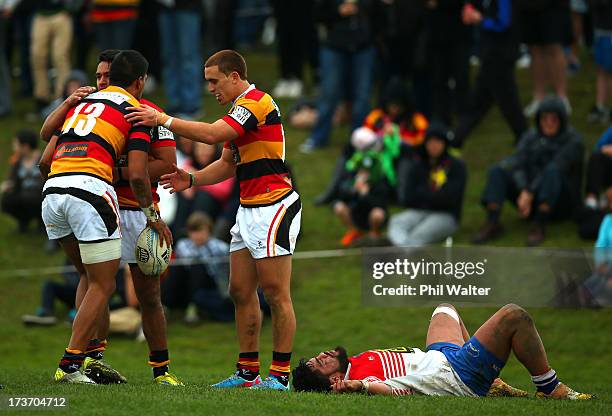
162 155
80 207
268 220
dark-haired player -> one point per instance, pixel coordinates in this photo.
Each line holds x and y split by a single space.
162 156
80 206
268 220
452 365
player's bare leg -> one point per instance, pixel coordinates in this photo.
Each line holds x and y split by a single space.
71 248
93 366
100 288
512 329
98 340
445 328
104 318
153 325
153 317
243 290
275 280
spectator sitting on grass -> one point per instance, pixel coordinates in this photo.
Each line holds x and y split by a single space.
542 176
52 290
432 191
395 108
201 286
368 185
21 193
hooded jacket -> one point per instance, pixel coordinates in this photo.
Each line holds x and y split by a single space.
536 152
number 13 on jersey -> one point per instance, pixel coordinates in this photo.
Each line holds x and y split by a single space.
84 118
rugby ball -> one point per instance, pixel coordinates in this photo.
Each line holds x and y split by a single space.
152 258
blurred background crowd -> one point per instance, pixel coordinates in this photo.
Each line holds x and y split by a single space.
396 71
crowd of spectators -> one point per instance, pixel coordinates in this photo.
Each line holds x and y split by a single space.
410 57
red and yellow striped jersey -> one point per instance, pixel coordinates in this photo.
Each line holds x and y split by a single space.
259 151
111 10
95 133
160 137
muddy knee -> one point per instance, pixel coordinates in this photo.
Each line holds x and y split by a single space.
514 315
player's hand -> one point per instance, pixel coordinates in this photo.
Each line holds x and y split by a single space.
177 181
78 94
142 116
162 229
524 203
346 386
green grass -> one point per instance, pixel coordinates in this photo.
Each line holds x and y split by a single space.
327 300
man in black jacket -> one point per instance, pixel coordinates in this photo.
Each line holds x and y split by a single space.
495 82
542 176
432 190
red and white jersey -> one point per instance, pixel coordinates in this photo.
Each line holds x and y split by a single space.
408 371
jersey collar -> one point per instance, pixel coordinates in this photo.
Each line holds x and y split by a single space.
348 371
245 92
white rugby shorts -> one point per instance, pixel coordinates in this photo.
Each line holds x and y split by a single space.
432 375
268 231
81 205
132 224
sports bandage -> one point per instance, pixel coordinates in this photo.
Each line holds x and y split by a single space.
168 122
449 311
100 252
151 213
162 118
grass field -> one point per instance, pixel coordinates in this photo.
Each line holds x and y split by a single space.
327 300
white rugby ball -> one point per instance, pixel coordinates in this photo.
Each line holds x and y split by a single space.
152 258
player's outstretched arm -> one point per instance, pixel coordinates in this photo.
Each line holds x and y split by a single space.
55 120
198 131
359 386
218 171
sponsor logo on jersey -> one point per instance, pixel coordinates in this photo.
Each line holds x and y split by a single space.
164 134
240 114
74 150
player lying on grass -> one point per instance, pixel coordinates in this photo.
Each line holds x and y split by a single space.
453 365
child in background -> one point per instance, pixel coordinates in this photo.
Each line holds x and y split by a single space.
203 285
368 185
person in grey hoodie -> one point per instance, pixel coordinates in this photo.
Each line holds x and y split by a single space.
541 177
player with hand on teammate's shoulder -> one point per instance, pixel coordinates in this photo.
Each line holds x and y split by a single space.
268 220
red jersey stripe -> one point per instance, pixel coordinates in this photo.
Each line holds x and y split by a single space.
271 133
115 118
255 95
262 185
233 124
